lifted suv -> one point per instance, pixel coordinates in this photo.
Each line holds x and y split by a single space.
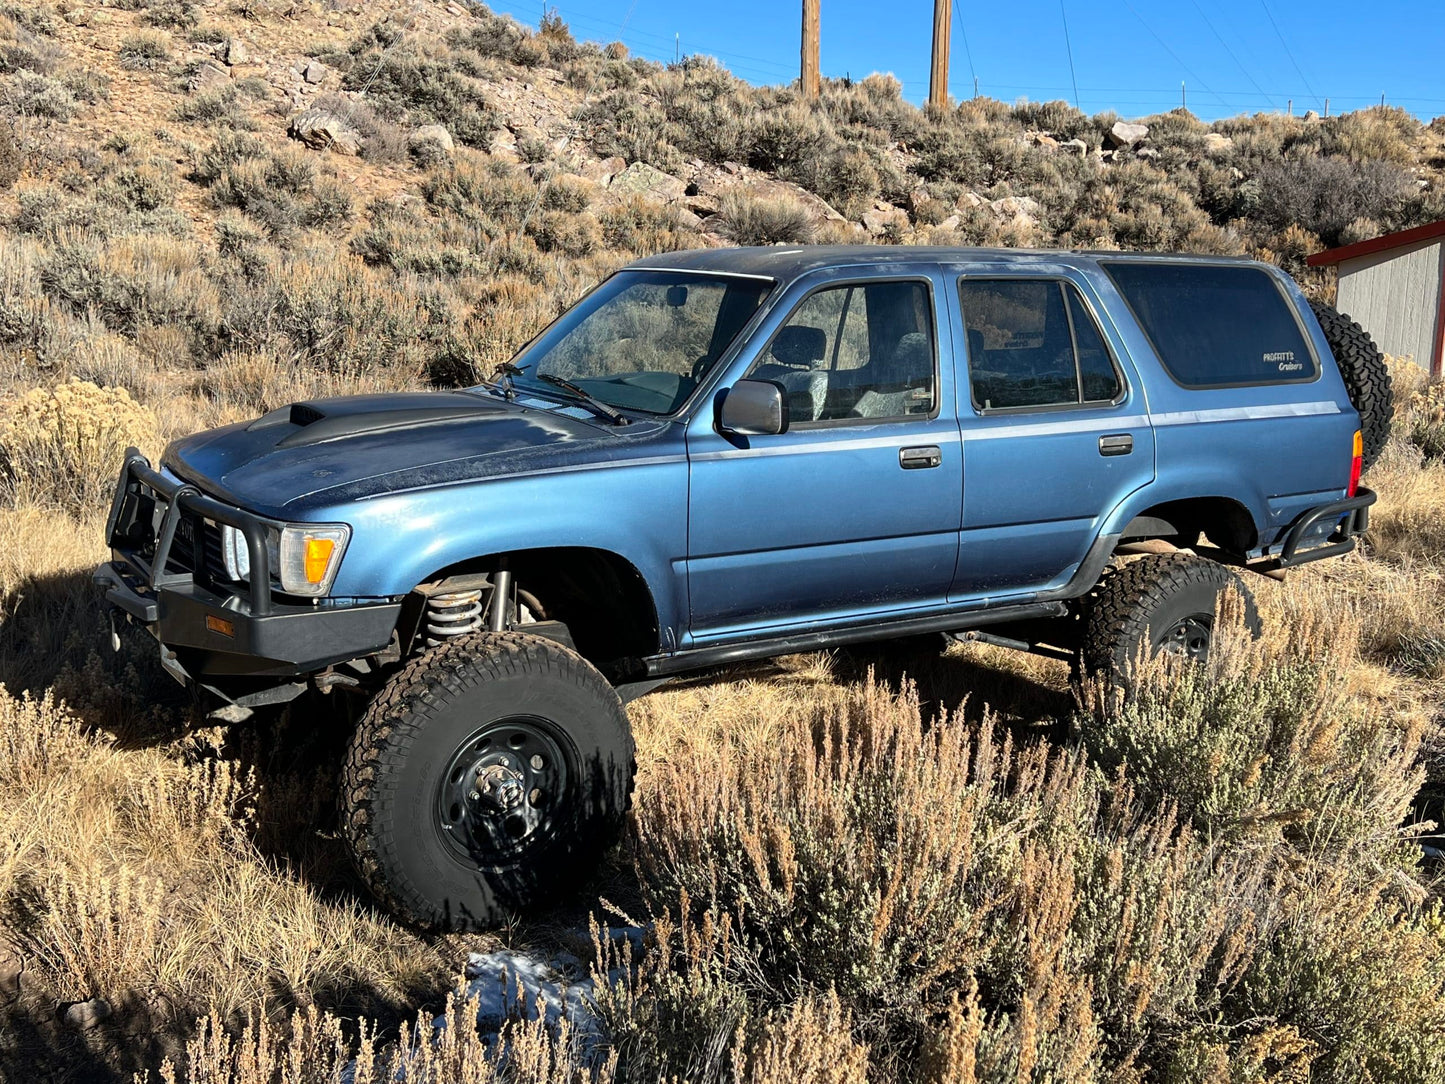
728 455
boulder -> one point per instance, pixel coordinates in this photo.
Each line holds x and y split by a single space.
649 182
320 129
1310 115
969 200
1146 152
1217 143
315 72
952 222
436 134
234 52
1041 139
1124 134
880 221
1076 146
1016 207
208 76
87 1014
601 172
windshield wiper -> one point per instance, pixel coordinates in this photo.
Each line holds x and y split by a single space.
587 399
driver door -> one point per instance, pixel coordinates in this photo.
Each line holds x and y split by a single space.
856 508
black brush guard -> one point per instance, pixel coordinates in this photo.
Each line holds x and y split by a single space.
237 641
1353 515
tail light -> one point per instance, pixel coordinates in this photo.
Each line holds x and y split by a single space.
1356 464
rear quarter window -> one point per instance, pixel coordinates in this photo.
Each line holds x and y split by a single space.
1216 326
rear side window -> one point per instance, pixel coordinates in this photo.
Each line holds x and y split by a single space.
1033 343
1216 326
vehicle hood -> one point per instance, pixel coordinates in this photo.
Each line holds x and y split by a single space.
326 451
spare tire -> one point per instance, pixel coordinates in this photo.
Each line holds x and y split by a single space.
1366 376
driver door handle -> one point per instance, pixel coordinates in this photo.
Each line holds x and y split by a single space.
920 458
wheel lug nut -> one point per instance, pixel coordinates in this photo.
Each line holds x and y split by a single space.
475 796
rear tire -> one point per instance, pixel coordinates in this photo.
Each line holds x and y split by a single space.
488 776
1167 599
1366 376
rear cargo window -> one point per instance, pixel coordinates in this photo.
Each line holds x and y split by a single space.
1215 326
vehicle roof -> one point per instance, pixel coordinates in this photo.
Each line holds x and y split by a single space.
786 262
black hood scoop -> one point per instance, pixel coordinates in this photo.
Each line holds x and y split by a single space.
323 420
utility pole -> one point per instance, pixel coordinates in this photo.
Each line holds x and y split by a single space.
810 49
1183 96
938 77
1327 107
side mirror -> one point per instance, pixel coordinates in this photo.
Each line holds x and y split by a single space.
754 408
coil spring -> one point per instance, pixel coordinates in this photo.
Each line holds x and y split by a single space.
451 615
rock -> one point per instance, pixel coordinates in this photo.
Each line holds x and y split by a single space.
640 179
1016 207
1076 146
322 130
878 222
1146 152
602 172
1310 115
87 1014
1124 134
77 17
315 72
234 52
1216 143
1041 139
969 200
952 222
11 967
436 134
208 76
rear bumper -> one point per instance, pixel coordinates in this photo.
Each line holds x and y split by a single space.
1351 518
238 643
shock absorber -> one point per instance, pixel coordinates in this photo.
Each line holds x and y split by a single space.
450 615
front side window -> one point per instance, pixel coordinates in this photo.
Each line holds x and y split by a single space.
643 339
1034 343
862 351
1215 325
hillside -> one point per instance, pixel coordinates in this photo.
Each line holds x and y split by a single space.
878 865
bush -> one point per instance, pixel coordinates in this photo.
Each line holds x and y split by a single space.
32 95
145 52
1324 195
752 221
1263 744
62 448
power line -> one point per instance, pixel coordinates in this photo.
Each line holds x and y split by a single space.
1165 45
1230 51
1287 51
963 33
1070 50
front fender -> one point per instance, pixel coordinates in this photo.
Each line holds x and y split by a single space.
637 512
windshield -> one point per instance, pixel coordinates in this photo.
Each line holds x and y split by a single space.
642 340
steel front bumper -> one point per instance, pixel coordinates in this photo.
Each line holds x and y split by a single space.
224 636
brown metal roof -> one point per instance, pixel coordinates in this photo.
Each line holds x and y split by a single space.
1399 239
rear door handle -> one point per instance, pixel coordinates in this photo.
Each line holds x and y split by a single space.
1116 444
920 458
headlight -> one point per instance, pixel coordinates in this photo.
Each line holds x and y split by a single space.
303 558
236 555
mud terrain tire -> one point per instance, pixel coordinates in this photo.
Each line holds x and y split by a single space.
487 777
1366 376
1169 599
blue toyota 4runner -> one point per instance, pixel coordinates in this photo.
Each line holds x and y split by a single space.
728 455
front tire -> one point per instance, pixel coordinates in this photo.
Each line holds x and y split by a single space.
1168 600
487 777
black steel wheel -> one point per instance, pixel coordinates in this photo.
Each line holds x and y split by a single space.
503 788
486 778
1167 600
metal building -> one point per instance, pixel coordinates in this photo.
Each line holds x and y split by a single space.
1395 287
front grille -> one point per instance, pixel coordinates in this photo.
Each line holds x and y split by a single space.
213 562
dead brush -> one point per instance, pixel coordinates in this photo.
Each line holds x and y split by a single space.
1264 742
852 846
